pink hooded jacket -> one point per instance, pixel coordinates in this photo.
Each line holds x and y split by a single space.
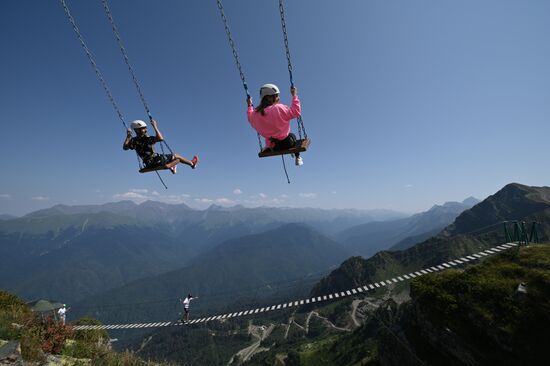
276 121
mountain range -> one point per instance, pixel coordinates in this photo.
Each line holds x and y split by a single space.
473 230
71 252
371 237
284 261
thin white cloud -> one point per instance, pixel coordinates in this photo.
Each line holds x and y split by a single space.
40 198
333 192
225 201
409 186
308 195
204 200
5 196
175 199
283 196
141 195
130 196
262 195
237 191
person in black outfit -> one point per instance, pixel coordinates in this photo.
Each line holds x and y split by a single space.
143 144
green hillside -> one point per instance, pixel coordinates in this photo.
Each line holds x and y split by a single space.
457 317
473 230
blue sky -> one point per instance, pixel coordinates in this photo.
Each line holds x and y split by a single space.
407 103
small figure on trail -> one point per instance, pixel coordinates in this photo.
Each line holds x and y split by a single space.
185 303
62 312
143 144
272 119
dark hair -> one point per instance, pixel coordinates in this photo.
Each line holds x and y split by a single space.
267 101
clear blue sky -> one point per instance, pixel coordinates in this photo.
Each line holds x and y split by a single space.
408 103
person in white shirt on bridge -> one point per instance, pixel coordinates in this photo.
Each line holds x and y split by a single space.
185 303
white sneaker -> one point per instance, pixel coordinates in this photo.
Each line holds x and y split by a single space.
299 161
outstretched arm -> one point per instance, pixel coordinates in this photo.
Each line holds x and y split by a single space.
127 140
158 136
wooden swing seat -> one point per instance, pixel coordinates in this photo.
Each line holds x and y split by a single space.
301 145
159 167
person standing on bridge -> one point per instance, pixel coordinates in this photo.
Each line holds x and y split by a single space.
185 303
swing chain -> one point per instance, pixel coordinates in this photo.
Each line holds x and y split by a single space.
233 47
301 127
125 57
94 65
100 75
131 70
236 57
285 36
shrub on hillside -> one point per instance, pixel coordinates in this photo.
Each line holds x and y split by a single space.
121 359
12 311
31 344
87 343
54 336
39 336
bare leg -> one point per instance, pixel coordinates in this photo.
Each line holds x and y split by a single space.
182 160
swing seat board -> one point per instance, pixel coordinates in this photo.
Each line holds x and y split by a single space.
160 167
301 145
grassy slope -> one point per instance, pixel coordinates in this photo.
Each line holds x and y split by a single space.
479 302
482 302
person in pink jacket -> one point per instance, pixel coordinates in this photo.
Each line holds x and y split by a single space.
272 119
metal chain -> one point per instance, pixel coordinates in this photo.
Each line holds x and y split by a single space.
94 65
301 127
285 36
125 56
236 57
130 68
102 80
233 47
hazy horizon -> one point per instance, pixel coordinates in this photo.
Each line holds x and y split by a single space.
225 204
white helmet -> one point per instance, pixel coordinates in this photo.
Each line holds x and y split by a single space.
138 124
268 89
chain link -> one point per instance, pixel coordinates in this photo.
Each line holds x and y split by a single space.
102 80
301 127
285 36
94 65
233 47
125 56
236 57
131 69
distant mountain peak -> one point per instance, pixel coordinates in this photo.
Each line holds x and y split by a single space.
471 201
513 202
214 207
